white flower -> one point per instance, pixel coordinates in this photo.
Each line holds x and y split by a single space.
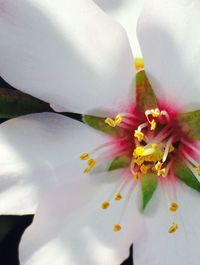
95 77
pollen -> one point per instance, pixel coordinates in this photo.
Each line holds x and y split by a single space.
139 151
153 125
171 148
158 165
110 122
86 170
118 197
173 228
139 135
118 119
197 169
155 113
139 63
105 205
144 169
173 207
137 176
117 228
139 161
84 156
91 163
161 172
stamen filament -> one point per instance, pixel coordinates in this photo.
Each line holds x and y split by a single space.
167 147
191 146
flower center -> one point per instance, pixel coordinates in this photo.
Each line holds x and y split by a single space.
150 143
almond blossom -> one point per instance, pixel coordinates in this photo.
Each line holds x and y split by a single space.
145 143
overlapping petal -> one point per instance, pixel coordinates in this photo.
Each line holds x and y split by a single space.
169 39
71 228
126 12
68 53
155 246
32 148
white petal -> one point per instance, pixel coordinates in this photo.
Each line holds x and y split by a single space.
126 12
155 246
70 227
170 43
32 147
68 53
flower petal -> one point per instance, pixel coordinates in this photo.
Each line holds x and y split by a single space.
71 228
32 147
155 246
170 43
126 12
68 53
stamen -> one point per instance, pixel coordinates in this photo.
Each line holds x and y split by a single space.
164 131
190 159
173 207
137 176
139 135
139 63
155 113
173 228
118 197
158 165
118 119
171 148
105 205
110 122
197 169
164 113
144 169
153 125
128 115
117 228
84 156
191 146
87 170
91 163
138 151
192 168
142 126
161 172
167 149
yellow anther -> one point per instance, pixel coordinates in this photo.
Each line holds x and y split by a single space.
155 146
139 63
118 197
197 169
171 148
91 163
86 170
161 171
153 125
105 205
139 151
173 228
173 207
139 135
137 176
118 119
144 169
110 122
139 161
155 113
117 228
84 156
158 165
